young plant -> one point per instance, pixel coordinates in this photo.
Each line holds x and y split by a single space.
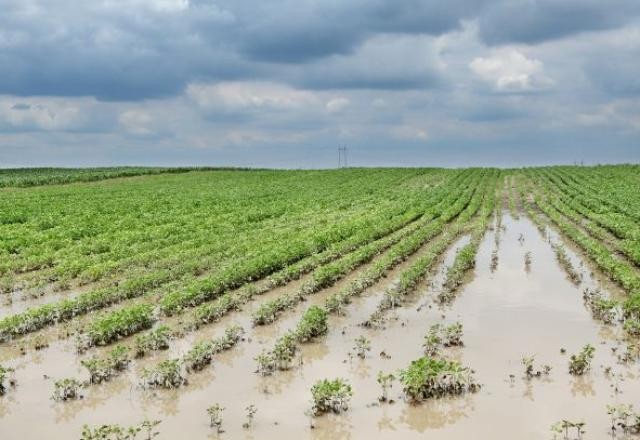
603 309
216 417
581 363
67 389
39 342
530 370
452 335
201 354
117 432
624 418
330 396
632 326
527 261
431 377
284 351
167 374
266 363
361 346
570 430
153 340
432 340
4 373
386 382
494 259
120 323
250 411
567 265
101 370
312 324
440 336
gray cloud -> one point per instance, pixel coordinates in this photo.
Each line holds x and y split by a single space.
535 21
244 82
616 73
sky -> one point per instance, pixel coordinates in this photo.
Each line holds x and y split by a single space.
284 83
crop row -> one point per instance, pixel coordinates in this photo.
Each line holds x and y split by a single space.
399 253
112 239
38 317
614 188
213 311
617 270
232 300
580 210
207 289
410 278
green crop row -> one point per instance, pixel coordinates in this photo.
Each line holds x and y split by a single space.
399 252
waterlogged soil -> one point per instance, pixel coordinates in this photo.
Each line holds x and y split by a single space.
507 313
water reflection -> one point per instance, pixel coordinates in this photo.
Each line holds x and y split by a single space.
436 413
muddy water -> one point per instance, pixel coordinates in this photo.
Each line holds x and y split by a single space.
507 313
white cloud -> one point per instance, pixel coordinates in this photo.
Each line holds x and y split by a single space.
336 105
137 122
621 114
39 114
239 96
154 5
410 132
509 70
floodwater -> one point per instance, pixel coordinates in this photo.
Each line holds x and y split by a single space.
507 313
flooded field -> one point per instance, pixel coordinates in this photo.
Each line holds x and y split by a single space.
508 311
490 306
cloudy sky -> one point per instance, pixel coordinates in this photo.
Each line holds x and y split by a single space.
283 83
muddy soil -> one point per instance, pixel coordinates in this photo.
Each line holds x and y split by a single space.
507 313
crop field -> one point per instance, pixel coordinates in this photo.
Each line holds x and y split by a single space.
326 304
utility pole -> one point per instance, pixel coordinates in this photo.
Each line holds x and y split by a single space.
342 157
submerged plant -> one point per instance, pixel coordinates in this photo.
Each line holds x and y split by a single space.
284 351
330 396
631 352
570 430
101 370
632 326
361 346
624 418
530 369
312 324
114 325
376 320
266 363
581 363
565 261
494 258
67 389
201 354
452 335
439 336
216 416
603 309
4 372
250 411
117 432
386 382
167 374
156 339
39 342
432 340
431 377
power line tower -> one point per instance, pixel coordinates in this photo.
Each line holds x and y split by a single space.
342 157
